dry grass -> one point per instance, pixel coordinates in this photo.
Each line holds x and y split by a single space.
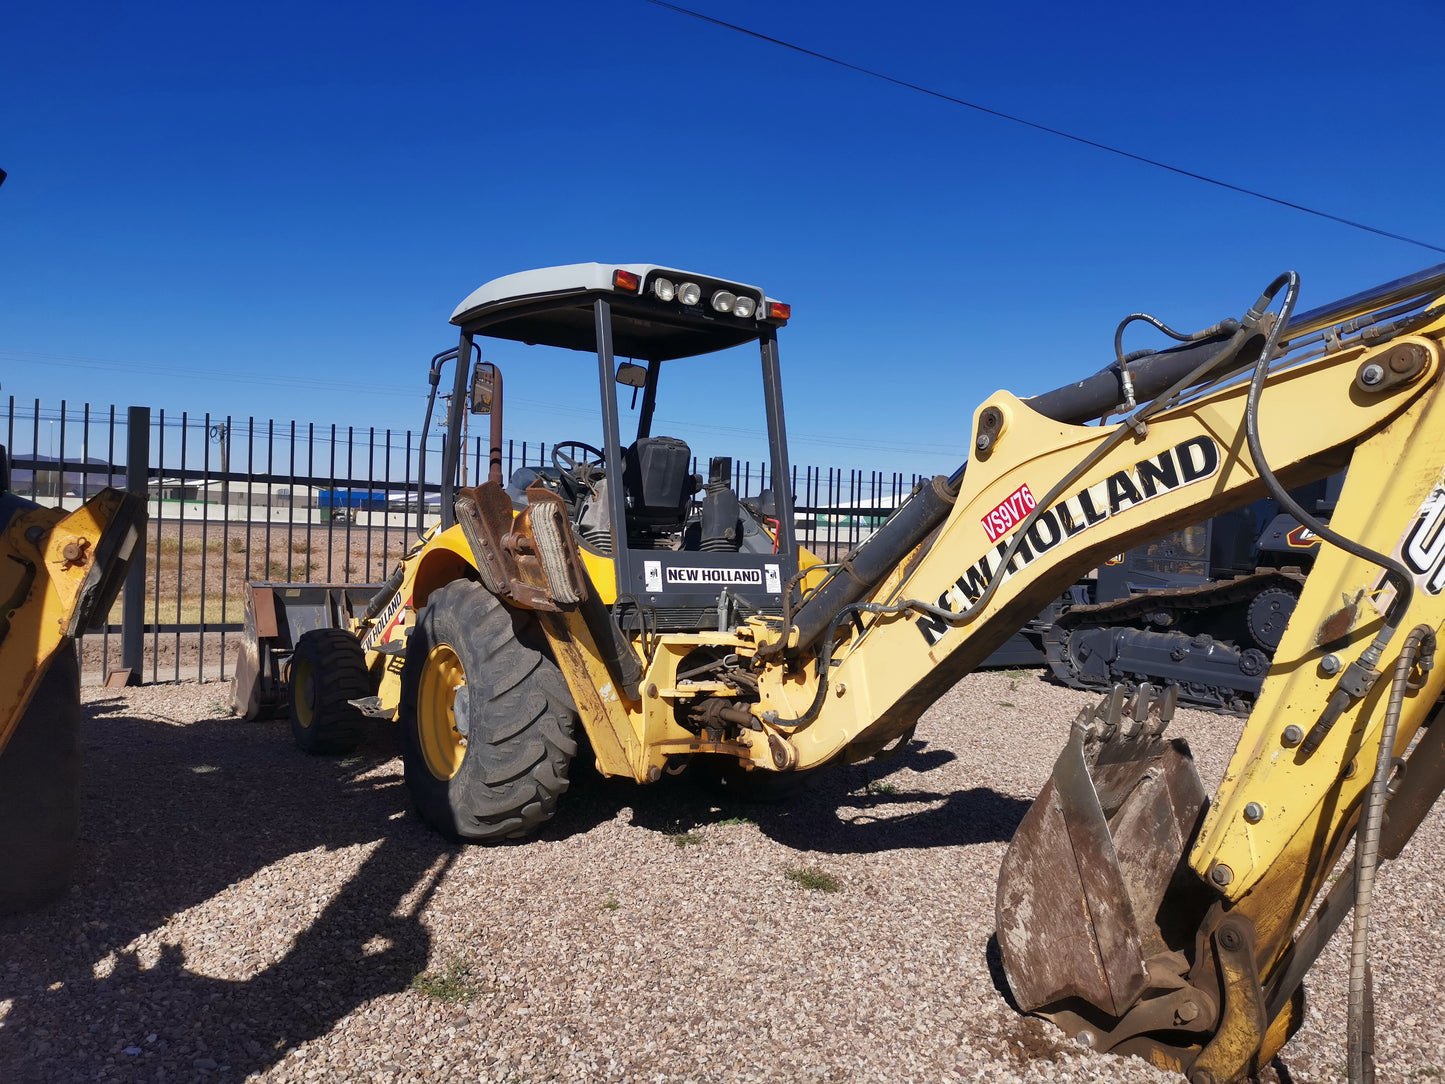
208 569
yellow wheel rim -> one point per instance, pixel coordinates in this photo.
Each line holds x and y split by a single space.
442 747
303 680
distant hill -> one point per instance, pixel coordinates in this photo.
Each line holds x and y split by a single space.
37 474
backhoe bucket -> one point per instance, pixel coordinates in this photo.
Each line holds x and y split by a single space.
1083 925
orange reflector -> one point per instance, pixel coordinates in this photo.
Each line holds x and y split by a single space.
626 280
779 311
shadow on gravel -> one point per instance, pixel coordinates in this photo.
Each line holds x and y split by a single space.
173 817
170 824
843 809
993 956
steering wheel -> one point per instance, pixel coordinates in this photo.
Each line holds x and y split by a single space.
584 464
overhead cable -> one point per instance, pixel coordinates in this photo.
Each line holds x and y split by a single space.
875 74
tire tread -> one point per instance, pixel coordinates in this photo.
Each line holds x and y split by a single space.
340 675
521 731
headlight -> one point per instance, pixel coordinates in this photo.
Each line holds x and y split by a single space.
744 307
722 301
663 289
689 293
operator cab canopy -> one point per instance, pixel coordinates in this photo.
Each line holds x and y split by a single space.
688 553
658 313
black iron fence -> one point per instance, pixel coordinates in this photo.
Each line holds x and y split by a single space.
236 500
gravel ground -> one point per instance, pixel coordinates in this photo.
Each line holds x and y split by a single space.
245 912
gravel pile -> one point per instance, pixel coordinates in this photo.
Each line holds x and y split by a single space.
246 912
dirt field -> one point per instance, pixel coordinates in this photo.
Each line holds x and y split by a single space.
246 912
195 575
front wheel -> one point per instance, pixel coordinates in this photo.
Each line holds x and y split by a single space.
487 724
328 671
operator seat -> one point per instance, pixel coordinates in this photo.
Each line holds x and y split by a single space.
658 484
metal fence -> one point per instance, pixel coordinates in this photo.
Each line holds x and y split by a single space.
235 500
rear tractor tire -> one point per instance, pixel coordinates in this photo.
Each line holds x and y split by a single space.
328 669
40 792
488 728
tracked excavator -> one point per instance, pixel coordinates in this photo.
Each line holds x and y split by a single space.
1202 608
670 621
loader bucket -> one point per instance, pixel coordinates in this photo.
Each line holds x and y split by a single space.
1095 905
276 616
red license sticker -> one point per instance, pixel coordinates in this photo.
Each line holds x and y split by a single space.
1010 511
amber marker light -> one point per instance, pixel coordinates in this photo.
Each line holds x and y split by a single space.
779 311
626 280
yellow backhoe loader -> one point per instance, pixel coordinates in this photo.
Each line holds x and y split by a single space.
675 621
59 574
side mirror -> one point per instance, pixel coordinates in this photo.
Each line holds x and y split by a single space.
634 376
484 387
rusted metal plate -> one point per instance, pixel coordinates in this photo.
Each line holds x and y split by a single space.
1065 923
263 609
1084 880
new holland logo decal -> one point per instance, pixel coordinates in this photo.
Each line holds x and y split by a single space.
384 621
1185 463
1423 547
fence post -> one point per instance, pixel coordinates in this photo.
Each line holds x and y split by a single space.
132 615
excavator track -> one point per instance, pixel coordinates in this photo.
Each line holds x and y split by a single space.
1214 641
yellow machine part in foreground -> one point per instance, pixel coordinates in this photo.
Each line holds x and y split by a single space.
55 569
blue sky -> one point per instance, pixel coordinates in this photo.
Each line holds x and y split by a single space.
272 209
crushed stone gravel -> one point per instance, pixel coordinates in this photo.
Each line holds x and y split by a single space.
245 912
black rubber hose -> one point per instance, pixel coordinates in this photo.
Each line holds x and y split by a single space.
1224 327
1398 573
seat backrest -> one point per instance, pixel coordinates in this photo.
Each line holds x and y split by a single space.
657 482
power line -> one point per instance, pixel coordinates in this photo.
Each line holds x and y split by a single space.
872 73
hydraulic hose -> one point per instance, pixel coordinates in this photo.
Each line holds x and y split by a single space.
1398 574
1224 327
1360 1029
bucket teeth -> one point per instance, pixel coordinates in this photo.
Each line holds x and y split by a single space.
1143 701
1167 704
1113 710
